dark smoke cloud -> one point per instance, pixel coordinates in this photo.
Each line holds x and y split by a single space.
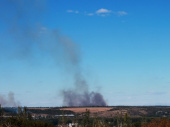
8 100
30 36
71 58
73 98
80 95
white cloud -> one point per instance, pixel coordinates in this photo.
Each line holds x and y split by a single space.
102 10
122 13
72 11
76 12
90 14
43 28
69 11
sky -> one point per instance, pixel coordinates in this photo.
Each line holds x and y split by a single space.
122 47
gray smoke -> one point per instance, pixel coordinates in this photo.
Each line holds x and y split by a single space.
31 37
8 100
80 95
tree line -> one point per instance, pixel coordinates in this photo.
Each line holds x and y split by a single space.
23 118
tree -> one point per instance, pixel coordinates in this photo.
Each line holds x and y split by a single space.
86 119
126 122
1 113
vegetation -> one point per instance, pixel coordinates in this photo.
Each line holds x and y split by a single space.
158 123
51 111
23 118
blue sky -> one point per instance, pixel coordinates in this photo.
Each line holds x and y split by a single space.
124 50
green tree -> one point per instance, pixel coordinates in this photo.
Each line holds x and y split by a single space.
86 119
126 122
1 114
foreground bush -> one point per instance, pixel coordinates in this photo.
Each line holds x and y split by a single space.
20 122
158 123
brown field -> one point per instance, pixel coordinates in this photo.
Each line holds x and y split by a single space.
97 111
109 112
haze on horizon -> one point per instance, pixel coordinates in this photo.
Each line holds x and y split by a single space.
114 52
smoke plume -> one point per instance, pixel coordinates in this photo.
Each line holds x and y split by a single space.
30 36
8 100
